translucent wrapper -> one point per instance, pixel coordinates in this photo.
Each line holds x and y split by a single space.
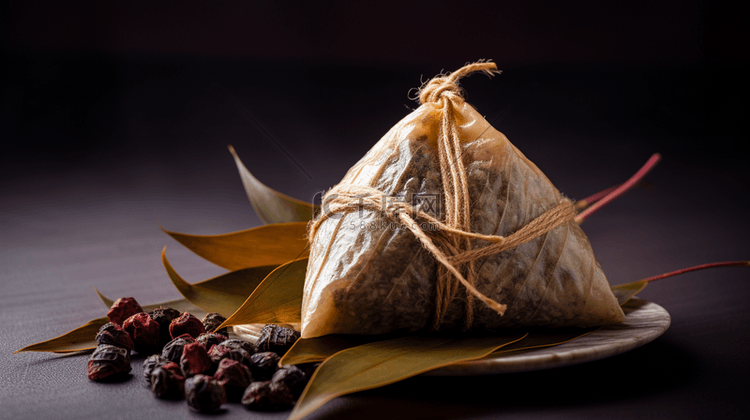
369 275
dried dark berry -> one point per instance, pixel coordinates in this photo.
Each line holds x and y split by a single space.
186 323
204 393
219 352
209 339
234 376
212 320
163 317
151 363
236 343
276 338
268 395
173 349
195 359
168 381
122 309
108 362
264 365
293 377
144 331
113 334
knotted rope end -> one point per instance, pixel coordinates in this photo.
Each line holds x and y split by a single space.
447 84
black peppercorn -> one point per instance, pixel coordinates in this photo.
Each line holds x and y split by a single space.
234 376
293 377
210 339
268 395
264 365
276 338
204 393
108 362
212 320
115 335
167 381
163 317
173 349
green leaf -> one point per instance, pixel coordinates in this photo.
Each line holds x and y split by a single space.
271 205
624 292
222 294
265 245
83 337
385 362
277 300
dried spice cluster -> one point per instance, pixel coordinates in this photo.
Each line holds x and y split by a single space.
196 362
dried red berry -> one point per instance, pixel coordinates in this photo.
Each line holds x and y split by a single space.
234 376
113 334
122 309
186 323
168 381
268 395
108 362
195 359
144 331
204 393
212 320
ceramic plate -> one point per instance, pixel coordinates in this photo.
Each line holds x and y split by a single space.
645 321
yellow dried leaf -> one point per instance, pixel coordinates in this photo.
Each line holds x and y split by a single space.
265 245
385 362
276 300
271 205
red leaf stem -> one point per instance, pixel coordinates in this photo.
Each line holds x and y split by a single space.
620 190
696 268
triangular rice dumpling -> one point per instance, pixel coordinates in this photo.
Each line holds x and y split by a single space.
369 275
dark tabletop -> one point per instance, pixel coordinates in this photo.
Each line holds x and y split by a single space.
104 141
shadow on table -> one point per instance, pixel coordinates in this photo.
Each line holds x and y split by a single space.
657 368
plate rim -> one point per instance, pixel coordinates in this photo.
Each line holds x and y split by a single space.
644 322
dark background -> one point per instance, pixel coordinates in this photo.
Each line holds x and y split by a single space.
115 116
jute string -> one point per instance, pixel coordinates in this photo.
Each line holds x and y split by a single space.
449 241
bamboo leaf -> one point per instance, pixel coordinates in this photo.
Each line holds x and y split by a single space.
265 245
277 300
317 349
549 338
83 337
107 301
222 294
271 205
624 292
385 362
